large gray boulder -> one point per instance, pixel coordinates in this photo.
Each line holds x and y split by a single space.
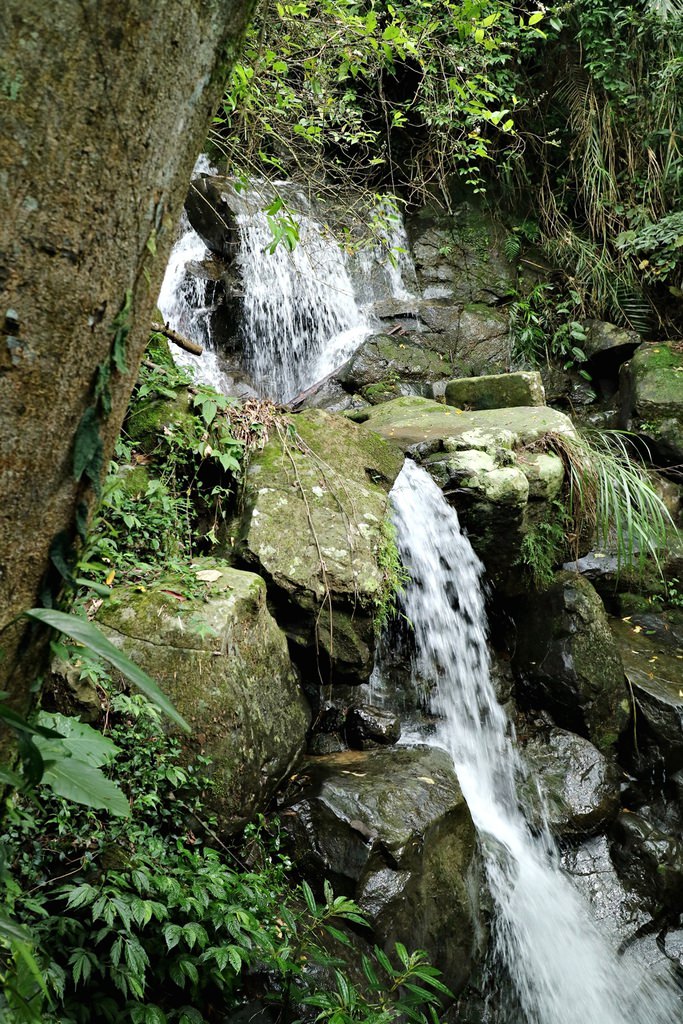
224 663
391 828
566 660
314 525
651 397
387 366
496 391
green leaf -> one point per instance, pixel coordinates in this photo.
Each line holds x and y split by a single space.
90 636
75 780
82 742
309 897
13 932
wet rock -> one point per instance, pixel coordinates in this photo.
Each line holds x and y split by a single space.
368 727
66 691
390 827
224 663
312 525
654 669
566 660
651 390
619 911
579 784
650 860
496 391
209 206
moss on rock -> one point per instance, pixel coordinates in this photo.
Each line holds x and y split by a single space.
224 663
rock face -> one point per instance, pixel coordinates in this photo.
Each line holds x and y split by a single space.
604 338
578 782
496 391
475 457
385 367
461 257
390 827
654 670
651 387
313 525
566 660
649 859
209 209
119 105
224 663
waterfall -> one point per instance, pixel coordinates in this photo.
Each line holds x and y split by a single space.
304 311
562 969
300 317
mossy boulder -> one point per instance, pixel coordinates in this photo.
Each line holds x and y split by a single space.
651 397
496 391
157 417
224 663
391 829
483 462
386 366
566 660
313 525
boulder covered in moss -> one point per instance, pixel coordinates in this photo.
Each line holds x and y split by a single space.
566 660
391 829
387 366
491 465
496 391
221 658
314 525
651 396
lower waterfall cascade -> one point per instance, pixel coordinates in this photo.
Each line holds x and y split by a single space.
562 969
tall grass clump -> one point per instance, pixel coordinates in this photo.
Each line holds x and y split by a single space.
611 497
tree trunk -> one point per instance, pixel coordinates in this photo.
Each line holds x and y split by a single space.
104 108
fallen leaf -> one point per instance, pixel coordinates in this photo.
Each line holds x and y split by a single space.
209 575
110 578
637 629
359 775
425 778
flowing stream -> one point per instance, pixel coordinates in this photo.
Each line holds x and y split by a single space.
562 969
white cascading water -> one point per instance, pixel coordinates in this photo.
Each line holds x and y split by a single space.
300 316
563 970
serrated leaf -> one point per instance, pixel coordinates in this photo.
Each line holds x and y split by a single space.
90 636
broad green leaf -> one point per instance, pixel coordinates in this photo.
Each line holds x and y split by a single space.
83 742
13 932
75 780
90 636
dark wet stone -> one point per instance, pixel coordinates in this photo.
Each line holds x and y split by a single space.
578 782
390 828
368 727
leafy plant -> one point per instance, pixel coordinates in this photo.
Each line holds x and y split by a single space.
146 919
545 327
395 577
544 545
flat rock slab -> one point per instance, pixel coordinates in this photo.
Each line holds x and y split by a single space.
391 828
411 421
